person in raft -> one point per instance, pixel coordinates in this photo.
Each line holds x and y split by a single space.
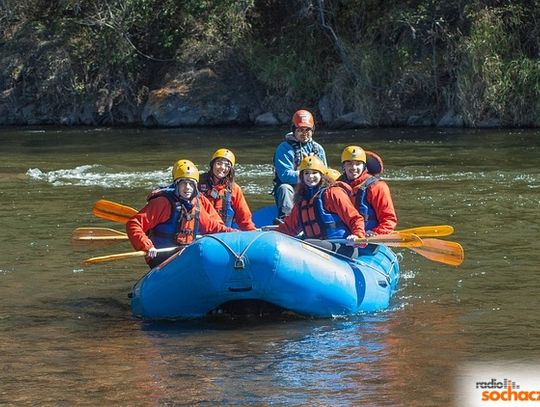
298 144
371 195
173 217
218 185
322 208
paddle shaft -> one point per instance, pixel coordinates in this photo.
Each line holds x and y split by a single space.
391 239
122 256
98 234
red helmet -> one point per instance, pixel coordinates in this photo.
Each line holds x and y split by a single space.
303 118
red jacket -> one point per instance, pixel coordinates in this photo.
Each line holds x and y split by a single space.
158 210
379 197
335 200
242 213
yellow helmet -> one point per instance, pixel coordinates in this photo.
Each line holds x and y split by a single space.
332 174
225 153
312 162
353 153
185 169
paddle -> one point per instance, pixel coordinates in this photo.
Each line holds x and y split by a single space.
122 256
97 234
441 251
113 211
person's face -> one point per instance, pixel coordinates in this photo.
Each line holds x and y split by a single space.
353 169
221 168
303 134
311 178
186 188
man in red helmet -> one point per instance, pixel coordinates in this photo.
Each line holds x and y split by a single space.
288 156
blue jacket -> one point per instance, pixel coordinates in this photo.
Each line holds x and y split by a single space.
288 155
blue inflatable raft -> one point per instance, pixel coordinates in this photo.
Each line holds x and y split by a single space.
267 267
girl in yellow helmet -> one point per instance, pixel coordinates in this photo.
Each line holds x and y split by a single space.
218 185
322 208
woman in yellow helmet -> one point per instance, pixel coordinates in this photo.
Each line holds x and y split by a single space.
371 195
322 208
173 216
218 185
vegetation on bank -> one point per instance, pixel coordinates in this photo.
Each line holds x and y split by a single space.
476 58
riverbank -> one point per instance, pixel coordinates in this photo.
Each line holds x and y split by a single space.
354 64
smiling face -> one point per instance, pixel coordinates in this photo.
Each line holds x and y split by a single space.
353 169
185 188
221 168
311 178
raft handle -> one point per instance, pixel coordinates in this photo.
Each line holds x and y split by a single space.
239 263
239 290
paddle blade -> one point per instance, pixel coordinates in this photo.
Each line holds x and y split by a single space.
442 251
113 211
430 231
97 234
395 239
113 257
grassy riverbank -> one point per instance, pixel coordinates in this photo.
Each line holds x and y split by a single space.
476 60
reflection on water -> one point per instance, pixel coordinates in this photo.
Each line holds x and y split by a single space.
66 331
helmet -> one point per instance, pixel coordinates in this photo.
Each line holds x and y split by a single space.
353 153
224 153
332 174
303 118
312 162
185 169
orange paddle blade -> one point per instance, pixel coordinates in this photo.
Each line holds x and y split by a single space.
113 211
430 231
442 251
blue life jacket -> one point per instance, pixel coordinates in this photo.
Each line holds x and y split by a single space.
183 225
319 223
364 207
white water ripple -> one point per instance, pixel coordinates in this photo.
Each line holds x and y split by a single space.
98 175
252 176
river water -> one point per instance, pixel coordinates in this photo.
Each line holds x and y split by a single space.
67 336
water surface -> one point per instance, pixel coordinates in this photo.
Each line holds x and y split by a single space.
67 335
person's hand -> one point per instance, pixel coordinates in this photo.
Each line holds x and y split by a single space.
152 253
370 233
353 241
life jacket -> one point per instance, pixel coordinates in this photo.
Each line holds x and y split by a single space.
298 154
223 206
183 225
362 204
374 167
317 222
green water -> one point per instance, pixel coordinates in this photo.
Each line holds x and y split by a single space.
67 336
